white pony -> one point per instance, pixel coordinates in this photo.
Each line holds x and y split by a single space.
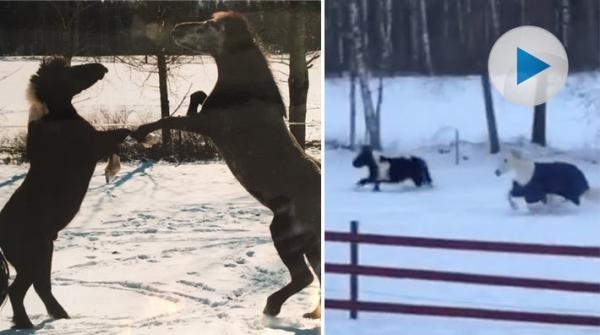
537 182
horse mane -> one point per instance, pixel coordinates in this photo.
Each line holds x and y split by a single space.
240 39
35 90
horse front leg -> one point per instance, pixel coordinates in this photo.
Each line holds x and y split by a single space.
197 123
109 140
511 201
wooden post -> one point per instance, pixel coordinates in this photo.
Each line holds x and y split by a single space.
456 147
354 264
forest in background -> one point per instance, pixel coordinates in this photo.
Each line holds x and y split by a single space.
367 39
94 28
444 37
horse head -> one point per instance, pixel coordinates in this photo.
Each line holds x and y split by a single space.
56 83
364 158
507 162
226 31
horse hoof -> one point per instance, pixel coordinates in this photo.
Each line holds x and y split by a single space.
316 314
22 324
59 314
271 311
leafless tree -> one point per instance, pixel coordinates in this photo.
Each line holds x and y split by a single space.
298 77
371 122
425 36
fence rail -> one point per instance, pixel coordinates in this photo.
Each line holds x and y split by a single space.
460 312
354 270
467 245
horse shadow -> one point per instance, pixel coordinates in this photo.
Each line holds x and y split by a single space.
14 331
280 324
13 180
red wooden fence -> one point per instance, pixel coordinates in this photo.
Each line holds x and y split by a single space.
354 270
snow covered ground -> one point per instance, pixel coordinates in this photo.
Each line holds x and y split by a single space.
467 202
165 249
421 111
419 116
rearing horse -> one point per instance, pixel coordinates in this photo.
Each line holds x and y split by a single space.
63 150
244 116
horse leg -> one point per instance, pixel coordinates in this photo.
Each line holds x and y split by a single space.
511 201
16 293
42 283
291 253
376 187
314 258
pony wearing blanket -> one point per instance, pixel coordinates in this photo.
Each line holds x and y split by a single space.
63 150
384 169
536 182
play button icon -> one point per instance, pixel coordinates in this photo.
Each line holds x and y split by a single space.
528 65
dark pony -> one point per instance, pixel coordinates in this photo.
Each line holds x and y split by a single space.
244 117
63 150
391 169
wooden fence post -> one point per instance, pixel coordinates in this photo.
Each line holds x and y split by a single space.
456 147
354 276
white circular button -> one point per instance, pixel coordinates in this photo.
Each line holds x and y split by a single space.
528 65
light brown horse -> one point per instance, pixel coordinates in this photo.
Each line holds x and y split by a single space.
244 116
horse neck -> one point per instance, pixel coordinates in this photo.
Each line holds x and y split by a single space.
193 108
61 110
373 167
246 72
523 170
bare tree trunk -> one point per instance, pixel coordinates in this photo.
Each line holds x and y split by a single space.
414 32
445 18
164 100
298 78
539 125
425 36
352 107
460 18
372 126
565 15
490 116
342 33
495 18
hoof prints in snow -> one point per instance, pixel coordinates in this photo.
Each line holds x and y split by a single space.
153 257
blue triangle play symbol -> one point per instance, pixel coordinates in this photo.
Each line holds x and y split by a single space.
528 65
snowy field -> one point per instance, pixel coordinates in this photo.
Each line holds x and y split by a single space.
133 92
467 202
165 249
421 111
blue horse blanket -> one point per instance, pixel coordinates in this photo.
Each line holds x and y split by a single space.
558 178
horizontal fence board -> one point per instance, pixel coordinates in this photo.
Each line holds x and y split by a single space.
487 314
458 277
486 246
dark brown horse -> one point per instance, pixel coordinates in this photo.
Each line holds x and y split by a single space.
63 150
244 116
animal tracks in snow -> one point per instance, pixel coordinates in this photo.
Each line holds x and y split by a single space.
155 255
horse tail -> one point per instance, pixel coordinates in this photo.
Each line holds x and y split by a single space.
4 275
593 194
424 171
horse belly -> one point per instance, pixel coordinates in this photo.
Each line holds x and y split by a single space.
562 179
